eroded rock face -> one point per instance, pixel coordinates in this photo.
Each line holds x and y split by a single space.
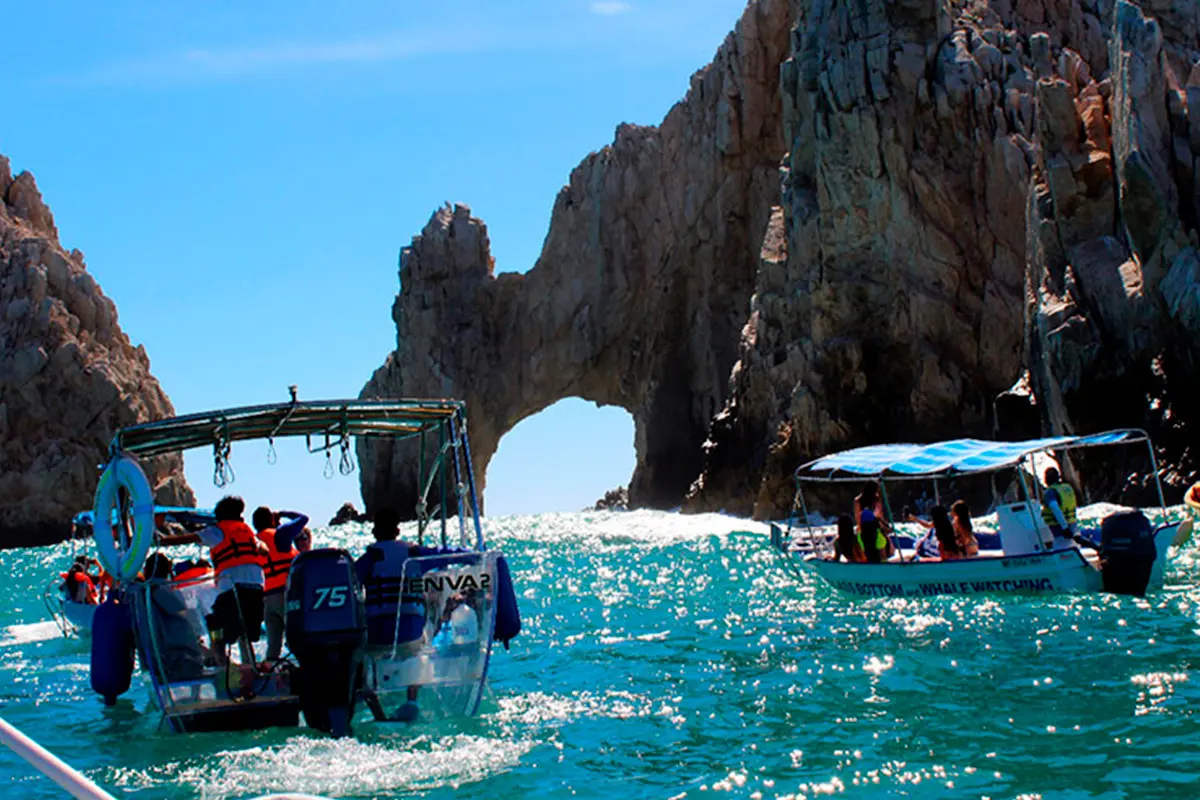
975 195
68 377
965 196
636 299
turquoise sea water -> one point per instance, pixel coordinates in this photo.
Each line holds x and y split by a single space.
669 656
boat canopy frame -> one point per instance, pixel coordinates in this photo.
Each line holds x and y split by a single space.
951 459
333 423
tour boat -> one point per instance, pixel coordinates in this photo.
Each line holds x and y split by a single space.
453 594
1021 557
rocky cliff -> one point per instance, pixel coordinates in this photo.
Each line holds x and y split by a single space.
68 377
974 194
637 297
971 190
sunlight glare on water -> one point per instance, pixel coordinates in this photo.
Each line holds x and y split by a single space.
671 656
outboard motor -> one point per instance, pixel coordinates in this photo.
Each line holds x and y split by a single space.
1127 553
327 632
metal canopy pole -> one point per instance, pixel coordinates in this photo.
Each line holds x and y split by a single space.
887 509
471 486
1028 502
442 477
1162 502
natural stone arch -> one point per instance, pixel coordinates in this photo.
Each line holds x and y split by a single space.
639 294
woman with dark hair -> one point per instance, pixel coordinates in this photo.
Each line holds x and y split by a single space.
847 545
964 531
873 528
942 529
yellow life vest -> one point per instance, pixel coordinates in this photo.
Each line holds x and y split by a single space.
1066 502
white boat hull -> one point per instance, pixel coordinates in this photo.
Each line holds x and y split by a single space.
991 573
79 616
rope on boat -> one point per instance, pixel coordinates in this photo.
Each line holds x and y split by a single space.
223 473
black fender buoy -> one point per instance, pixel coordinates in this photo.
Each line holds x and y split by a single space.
112 650
508 616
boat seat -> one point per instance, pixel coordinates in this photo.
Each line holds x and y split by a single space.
1018 536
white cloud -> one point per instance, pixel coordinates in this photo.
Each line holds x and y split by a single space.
233 62
609 8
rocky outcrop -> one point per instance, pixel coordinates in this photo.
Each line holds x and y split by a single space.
986 226
68 377
971 190
1113 291
613 500
638 294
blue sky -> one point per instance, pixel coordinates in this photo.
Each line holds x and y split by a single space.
241 178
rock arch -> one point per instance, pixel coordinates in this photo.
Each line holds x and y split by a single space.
639 294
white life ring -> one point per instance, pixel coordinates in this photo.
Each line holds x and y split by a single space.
123 472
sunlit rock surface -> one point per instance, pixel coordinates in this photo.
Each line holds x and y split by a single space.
68 377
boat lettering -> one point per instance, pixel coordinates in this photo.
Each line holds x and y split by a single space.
870 589
455 583
931 589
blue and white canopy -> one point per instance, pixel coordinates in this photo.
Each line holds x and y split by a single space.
956 457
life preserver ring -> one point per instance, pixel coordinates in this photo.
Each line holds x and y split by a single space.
123 472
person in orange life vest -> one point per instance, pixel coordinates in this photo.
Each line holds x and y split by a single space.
279 540
77 584
238 558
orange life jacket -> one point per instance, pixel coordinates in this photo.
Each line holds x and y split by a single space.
193 575
278 562
238 548
90 596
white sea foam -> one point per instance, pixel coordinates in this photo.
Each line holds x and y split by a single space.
29 633
337 768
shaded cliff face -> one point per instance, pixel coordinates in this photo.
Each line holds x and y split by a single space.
68 377
965 195
637 297
1114 266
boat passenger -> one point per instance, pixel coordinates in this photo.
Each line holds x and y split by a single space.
380 570
942 530
279 538
78 585
179 654
873 528
964 531
847 545
238 557
1058 507
304 541
167 527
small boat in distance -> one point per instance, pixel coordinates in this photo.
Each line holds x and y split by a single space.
72 598
1023 557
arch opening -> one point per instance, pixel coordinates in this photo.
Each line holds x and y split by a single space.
563 458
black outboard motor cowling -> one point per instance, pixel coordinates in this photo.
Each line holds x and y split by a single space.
1127 552
327 632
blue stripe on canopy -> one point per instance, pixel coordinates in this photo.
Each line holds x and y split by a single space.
959 456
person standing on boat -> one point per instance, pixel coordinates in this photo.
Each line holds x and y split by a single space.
238 557
872 525
279 540
1058 507
394 616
